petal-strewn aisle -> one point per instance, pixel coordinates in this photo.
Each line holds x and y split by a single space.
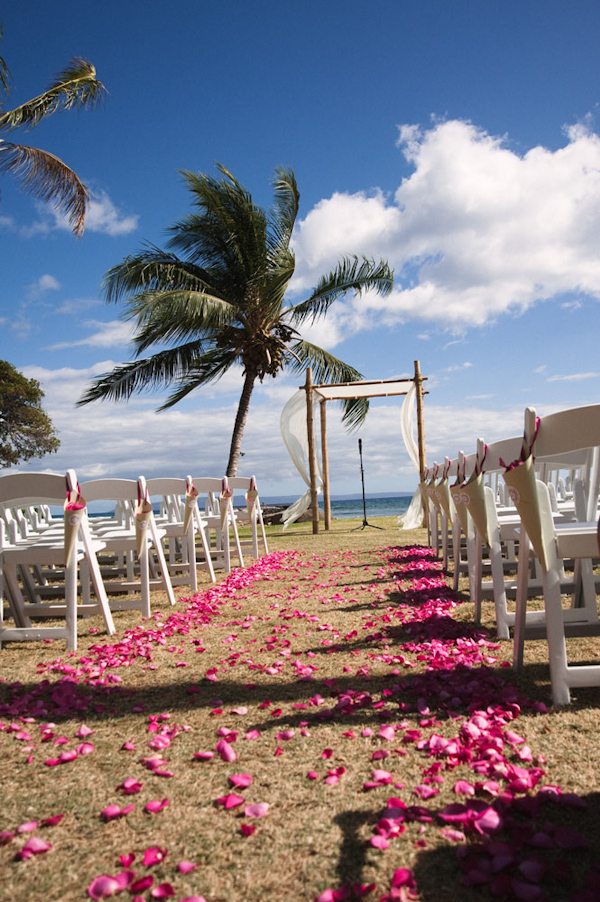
331 725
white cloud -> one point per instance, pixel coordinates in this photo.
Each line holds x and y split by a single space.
102 216
574 377
475 232
457 367
41 286
106 335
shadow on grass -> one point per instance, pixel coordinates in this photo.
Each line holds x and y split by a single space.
354 700
544 849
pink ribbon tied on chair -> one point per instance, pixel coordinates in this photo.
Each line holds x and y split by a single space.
520 479
224 500
74 509
251 497
143 512
191 503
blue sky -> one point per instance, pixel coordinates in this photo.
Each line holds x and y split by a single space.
458 140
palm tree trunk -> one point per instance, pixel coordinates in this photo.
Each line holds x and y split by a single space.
240 422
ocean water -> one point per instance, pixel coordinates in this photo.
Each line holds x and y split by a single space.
375 507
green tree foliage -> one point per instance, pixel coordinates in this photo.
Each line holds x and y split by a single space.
216 298
25 429
42 173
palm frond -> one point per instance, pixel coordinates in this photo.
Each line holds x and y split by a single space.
229 228
171 316
151 270
352 274
151 373
327 368
209 368
285 210
4 71
48 178
76 86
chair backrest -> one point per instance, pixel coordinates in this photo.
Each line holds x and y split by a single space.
209 490
110 490
242 485
24 489
566 431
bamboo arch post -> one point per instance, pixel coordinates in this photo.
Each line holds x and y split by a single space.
418 380
325 466
312 455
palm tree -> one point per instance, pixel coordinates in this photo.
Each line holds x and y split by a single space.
222 301
42 173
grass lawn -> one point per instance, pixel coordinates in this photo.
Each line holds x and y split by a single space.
324 724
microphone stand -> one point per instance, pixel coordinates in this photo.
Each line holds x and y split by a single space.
365 522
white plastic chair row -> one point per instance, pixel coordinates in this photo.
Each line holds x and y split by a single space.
549 529
551 542
63 548
136 552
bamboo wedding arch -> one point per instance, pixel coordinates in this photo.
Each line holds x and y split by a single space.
348 391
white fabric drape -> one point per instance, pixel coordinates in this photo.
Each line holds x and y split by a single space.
295 436
294 432
413 518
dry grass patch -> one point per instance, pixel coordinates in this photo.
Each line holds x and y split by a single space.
264 668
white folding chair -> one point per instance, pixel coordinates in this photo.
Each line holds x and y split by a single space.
252 512
219 518
62 550
180 526
128 536
552 543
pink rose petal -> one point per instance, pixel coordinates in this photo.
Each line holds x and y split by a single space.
52 821
85 748
125 879
130 786
28 827
33 846
154 855
113 811
462 787
102 887
225 751
162 891
379 842
142 884
257 810
240 781
247 829
184 867
155 806
83 732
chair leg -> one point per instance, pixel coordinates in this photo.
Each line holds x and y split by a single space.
71 602
499 589
145 580
555 632
521 605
